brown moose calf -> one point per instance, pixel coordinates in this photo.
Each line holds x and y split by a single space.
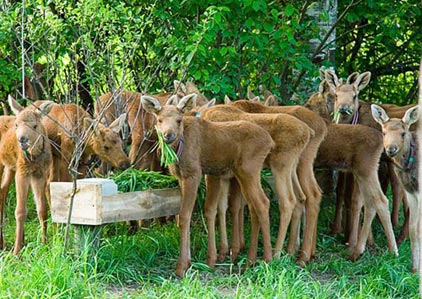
230 149
67 121
26 156
401 146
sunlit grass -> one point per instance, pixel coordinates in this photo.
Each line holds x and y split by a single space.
142 265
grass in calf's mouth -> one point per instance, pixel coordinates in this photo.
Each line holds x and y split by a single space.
337 114
168 155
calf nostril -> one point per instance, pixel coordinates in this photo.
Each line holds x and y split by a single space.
169 137
23 139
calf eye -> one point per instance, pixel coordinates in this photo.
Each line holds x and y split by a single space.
403 134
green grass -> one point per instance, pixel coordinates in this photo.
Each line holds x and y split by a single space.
142 265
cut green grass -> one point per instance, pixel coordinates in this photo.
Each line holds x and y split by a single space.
167 154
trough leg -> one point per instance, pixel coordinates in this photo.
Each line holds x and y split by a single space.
87 239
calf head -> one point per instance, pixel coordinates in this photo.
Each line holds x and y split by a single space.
346 100
28 128
322 102
396 134
106 142
169 117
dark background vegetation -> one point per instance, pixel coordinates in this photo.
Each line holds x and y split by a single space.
78 50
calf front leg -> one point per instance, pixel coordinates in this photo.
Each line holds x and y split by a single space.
189 187
22 187
7 177
38 187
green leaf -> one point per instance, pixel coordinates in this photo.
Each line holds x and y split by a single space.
289 10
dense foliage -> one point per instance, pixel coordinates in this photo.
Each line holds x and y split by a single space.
89 47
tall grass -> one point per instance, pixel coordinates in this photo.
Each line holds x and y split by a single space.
142 265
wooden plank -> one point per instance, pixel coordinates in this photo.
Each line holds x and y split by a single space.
87 206
141 205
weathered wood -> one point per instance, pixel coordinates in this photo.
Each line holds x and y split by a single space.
146 204
92 207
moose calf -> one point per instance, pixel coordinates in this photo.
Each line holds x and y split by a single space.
25 154
232 149
402 147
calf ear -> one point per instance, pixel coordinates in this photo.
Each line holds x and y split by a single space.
321 73
187 102
14 105
90 123
271 101
150 104
179 87
379 114
352 78
46 107
323 87
227 100
411 116
332 78
173 100
249 93
118 123
210 103
362 80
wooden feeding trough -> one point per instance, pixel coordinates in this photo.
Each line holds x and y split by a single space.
97 202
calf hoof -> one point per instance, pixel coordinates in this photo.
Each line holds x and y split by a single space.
335 230
234 255
211 262
304 258
276 254
222 257
354 256
301 263
16 250
181 268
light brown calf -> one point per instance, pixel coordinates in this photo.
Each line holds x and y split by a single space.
25 155
402 147
223 150
291 137
68 122
305 172
356 149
